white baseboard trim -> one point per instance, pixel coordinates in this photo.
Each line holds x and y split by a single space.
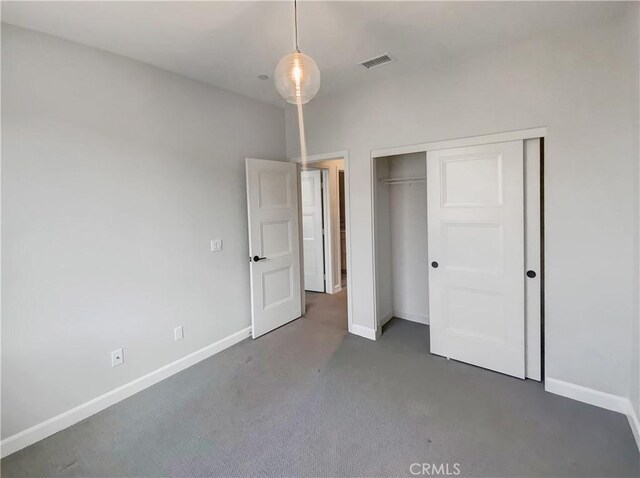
335 289
365 332
587 395
600 399
419 318
634 423
53 425
386 319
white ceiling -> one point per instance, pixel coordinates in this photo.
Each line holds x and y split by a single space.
228 44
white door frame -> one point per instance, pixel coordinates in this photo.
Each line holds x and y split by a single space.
524 134
343 155
326 233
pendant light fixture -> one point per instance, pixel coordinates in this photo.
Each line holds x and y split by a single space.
297 79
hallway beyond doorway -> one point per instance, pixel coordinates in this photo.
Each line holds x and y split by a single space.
328 309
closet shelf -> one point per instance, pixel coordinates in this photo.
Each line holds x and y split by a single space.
417 179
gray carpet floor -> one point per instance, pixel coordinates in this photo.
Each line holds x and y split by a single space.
311 400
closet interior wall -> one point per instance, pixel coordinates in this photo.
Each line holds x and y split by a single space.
401 238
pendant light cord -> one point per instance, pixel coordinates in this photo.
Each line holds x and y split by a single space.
295 22
303 142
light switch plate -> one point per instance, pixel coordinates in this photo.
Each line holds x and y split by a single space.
178 333
117 357
216 245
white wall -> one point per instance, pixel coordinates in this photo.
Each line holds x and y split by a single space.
410 269
580 85
115 176
635 355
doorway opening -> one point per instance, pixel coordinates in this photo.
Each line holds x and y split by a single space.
325 239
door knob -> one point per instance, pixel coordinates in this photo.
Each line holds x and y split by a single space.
531 274
434 264
258 258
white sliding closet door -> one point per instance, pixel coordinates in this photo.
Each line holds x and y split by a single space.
475 202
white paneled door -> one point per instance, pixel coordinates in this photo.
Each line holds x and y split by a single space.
312 235
274 244
476 255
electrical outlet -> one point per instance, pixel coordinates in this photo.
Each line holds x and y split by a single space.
178 333
216 245
117 357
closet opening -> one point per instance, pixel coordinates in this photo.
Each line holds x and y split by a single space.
458 243
402 281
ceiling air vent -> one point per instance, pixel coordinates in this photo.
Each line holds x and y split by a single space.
377 61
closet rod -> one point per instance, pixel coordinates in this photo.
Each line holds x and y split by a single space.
418 179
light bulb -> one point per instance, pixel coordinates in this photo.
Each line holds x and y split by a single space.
297 75
297 78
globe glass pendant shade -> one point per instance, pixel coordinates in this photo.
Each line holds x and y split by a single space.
297 76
